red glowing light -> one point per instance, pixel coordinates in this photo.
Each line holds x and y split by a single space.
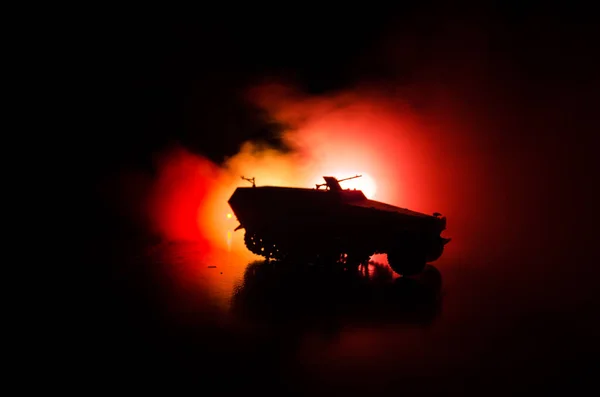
396 153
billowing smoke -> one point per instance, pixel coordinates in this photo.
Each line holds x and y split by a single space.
468 135
404 157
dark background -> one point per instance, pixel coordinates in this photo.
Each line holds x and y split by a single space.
157 82
160 81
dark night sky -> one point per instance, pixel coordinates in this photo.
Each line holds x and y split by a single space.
160 82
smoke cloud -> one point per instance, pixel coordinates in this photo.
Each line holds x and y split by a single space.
468 136
405 158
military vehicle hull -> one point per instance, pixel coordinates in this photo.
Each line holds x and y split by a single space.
335 225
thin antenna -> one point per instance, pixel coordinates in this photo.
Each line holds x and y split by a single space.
251 180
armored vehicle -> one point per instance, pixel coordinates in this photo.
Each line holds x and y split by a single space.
330 224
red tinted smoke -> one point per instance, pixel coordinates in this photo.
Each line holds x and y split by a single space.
183 185
414 161
468 137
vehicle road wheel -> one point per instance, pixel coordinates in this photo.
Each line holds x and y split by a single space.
435 249
252 242
435 252
406 263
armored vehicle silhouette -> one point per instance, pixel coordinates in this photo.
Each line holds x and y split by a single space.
332 225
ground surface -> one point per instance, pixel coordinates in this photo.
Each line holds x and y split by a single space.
175 315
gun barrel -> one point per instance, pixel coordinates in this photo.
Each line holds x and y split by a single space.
352 177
